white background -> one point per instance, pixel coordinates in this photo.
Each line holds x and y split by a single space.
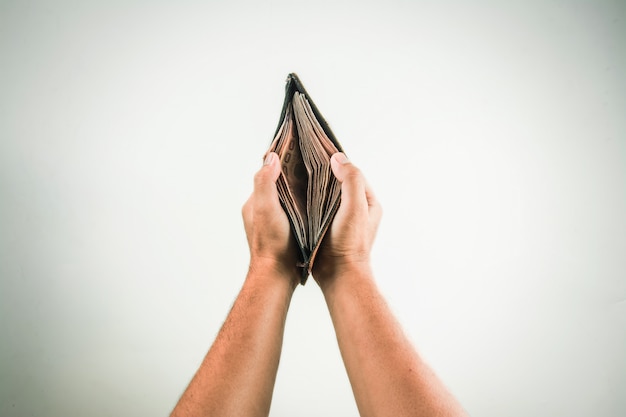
494 134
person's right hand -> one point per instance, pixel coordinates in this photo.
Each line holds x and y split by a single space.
347 245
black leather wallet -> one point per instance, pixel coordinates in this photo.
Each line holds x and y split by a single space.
332 196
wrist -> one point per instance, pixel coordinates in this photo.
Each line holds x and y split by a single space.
273 272
343 274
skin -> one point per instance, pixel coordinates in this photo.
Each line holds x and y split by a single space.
387 375
237 375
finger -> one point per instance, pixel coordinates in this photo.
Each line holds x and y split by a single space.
370 196
337 161
246 210
373 205
271 166
350 177
265 178
374 208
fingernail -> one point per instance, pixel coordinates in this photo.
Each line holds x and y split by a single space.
342 159
269 158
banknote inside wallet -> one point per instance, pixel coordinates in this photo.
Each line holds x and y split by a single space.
308 191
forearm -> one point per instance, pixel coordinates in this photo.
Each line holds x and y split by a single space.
237 375
387 375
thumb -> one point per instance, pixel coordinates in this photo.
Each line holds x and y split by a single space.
350 177
271 164
265 178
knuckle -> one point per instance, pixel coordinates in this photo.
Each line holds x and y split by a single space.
246 210
353 174
378 210
259 178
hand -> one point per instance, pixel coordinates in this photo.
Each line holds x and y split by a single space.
348 243
267 227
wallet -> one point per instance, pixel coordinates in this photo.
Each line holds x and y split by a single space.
308 190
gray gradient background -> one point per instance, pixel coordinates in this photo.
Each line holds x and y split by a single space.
494 134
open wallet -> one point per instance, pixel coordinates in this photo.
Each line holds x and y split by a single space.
308 190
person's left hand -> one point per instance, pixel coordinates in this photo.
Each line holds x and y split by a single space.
271 242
